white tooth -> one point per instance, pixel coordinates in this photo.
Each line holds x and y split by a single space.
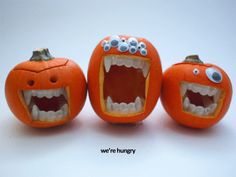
216 96
212 92
107 63
212 107
27 96
191 107
65 109
138 104
189 86
33 92
35 112
65 94
50 115
128 63
204 90
109 103
123 107
145 69
131 107
59 114
183 89
136 64
206 111
119 62
140 64
199 110
49 93
39 93
186 103
56 92
115 107
195 88
42 115
113 59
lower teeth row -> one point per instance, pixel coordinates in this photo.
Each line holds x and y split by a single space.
49 115
199 110
124 108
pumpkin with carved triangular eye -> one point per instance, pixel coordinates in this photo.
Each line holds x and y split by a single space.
45 91
196 94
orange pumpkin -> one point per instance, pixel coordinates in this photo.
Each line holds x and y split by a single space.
124 79
196 94
45 91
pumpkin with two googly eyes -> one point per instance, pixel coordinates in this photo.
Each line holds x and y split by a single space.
196 94
45 91
124 79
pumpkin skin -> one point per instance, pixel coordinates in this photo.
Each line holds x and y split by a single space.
45 74
195 74
97 79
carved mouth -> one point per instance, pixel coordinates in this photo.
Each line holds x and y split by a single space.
124 84
46 105
200 100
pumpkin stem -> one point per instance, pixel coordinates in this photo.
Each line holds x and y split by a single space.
193 59
42 54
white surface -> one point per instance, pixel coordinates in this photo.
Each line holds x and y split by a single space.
72 29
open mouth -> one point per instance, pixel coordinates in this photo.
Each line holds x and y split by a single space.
200 100
124 84
47 105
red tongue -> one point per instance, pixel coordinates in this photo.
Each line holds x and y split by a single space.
49 104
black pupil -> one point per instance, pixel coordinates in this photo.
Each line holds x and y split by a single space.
216 76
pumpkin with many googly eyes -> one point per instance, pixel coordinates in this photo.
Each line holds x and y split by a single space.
196 94
45 91
124 79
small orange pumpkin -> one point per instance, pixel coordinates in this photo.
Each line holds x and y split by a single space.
196 94
45 91
124 79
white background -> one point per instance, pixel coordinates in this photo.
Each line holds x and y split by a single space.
72 29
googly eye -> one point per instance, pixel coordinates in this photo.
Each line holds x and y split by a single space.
143 51
142 45
132 49
214 75
104 42
106 47
123 47
114 41
123 39
133 42
196 71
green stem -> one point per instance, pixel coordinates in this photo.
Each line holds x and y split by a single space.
193 59
42 54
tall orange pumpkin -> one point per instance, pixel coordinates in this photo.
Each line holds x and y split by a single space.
124 79
45 91
196 94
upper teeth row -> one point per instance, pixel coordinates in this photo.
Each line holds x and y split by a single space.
128 62
132 45
43 93
124 108
203 90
